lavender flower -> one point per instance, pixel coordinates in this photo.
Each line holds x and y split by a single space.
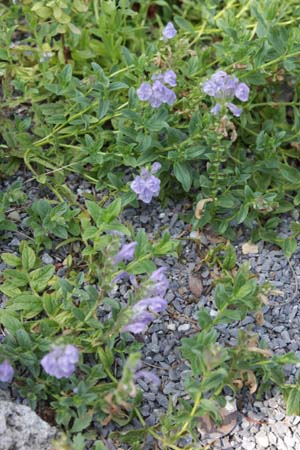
161 94
224 88
61 361
169 31
6 372
138 322
124 274
144 92
236 111
148 376
144 312
242 92
159 281
158 93
216 109
126 253
153 304
146 185
155 167
170 78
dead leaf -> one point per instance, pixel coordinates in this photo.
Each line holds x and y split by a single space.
263 298
200 207
211 431
259 318
195 285
261 351
276 292
251 381
249 248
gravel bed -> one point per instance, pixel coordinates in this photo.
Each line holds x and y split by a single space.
261 424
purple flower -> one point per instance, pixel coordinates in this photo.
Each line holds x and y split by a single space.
160 282
6 372
161 94
61 361
126 253
138 322
209 88
156 304
144 92
144 312
169 77
169 31
148 376
224 88
146 186
242 92
158 93
216 109
155 167
236 111
120 276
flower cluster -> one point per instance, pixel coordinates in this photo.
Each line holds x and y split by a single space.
147 185
158 93
6 372
126 253
61 361
224 88
169 31
145 310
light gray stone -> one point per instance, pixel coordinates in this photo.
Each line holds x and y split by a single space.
22 429
262 439
184 327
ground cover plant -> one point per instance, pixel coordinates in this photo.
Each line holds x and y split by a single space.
146 100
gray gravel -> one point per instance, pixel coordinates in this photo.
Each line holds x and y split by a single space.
262 424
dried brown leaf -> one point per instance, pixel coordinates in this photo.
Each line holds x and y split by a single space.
211 431
200 207
195 285
251 381
248 248
259 318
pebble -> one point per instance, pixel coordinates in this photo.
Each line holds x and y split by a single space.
47 259
262 439
184 327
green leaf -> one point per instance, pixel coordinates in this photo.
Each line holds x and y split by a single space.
289 247
39 278
242 214
28 258
103 108
290 174
138 267
248 288
184 24
230 258
112 211
204 318
293 402
195 152
81 423
214 380
10 322
183 174
16 277
221 296
28 303
10 259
